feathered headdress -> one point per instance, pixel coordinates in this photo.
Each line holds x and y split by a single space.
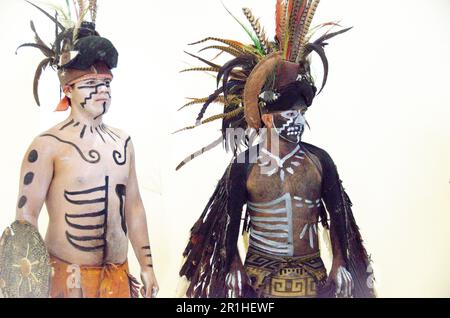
77 49
264 73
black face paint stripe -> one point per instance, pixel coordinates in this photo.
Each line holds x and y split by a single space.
108 85
103 112
117 155
95 155
28 179
83 104
33 156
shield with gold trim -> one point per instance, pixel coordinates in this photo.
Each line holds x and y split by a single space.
25 269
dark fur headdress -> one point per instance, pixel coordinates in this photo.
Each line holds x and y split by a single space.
78 49
264 76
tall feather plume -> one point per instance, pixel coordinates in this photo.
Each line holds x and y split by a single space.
286 37
259 31
58 24
83 10
93 10
280 17
298 7
254 38
297 28
77 13
68 9
64 16
309 18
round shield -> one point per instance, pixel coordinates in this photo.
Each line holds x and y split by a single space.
25 269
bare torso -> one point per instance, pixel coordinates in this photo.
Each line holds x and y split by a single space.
284 204
86 197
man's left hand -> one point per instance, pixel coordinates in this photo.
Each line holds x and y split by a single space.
150 288
343 281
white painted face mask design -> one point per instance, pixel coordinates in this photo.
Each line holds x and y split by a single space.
290 125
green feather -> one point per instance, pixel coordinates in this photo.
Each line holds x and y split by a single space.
68 9
252 36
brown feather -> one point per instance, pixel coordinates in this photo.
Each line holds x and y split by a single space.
93 10
297 29
45 50
201 69
225 49
234 44
37 38
308 21
259 31
196 101
225 116
42 66
232 100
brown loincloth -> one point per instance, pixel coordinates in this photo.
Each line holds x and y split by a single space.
109 281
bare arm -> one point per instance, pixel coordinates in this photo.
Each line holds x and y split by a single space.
35 178
339 272
138 230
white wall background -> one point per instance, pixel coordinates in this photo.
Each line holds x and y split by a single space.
384 118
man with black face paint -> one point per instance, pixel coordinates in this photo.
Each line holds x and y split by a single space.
85 173
289 187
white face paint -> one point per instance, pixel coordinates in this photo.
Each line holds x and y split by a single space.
290 125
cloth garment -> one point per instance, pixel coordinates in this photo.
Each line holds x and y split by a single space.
285 277
108 281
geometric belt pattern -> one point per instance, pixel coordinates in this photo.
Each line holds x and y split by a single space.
285 277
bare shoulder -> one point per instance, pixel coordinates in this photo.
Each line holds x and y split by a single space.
41 148
319 152
119 133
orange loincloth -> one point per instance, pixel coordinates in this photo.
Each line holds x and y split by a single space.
109 281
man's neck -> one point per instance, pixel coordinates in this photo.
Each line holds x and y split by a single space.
281 147
85 118
85 126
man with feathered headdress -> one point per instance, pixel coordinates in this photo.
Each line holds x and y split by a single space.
288 186
84 171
